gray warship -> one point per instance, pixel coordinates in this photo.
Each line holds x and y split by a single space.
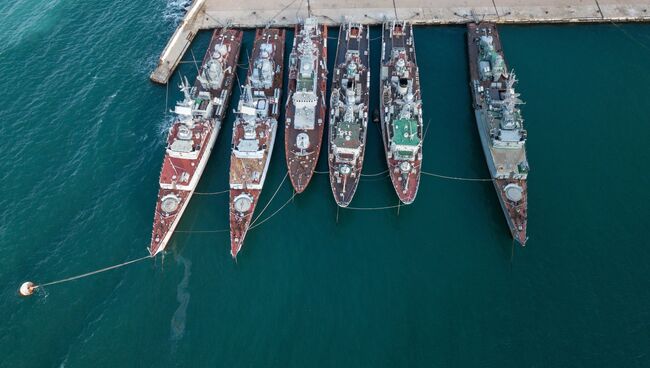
500 124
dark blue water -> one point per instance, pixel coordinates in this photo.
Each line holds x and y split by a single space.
437 285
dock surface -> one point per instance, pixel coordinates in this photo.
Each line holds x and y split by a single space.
207 14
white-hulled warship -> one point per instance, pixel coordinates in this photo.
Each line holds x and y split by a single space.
349 112
401 109
500 124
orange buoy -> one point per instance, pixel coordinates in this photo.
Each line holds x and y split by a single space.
27 288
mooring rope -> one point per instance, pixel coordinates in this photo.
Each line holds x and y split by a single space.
300 6
201 231
633 39
377 174
274 213
196 65
271 200
280 11
365 180
212 193
362 174
252 222
166 99
454 177
93 272
374 208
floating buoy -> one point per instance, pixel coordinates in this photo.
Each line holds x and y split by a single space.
27 288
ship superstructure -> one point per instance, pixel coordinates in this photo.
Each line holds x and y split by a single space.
401 109
254 131
348 112
305 110
192 136
500 124
219 68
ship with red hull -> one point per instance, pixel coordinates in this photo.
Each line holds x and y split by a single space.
500 124
254 131
348 120
401 109
219 68
193 134
305 109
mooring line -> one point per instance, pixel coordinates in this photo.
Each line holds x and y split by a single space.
91 273
362 174
274 213
166 99
374 208
201 231
196 65
633 39
365 180
270 200
377 174
212 193
454 177
280 11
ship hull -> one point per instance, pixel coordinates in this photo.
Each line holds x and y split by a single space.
345 174
254 135
240 223
515 212
406 184
164 226
178 165
303 144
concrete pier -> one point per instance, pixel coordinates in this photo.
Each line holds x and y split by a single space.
207 14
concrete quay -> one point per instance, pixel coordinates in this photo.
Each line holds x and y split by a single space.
207 14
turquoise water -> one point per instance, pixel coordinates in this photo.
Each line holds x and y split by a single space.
82 132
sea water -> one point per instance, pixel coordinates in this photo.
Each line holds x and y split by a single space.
435 284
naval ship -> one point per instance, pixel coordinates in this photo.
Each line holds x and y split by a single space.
192 136
401 109
218 73
254 131
348 112
500 124
305 110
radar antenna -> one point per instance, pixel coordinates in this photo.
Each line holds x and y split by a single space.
185 87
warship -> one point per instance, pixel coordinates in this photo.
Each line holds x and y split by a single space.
500 124
305 110
254 131
219 68
401 109
192 135
348 112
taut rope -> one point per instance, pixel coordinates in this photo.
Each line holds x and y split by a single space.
93 272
